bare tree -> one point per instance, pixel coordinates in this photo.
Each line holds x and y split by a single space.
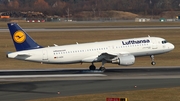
41 5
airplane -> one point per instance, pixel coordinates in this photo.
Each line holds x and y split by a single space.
121 52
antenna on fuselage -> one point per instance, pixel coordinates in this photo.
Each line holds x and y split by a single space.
55 45
149 36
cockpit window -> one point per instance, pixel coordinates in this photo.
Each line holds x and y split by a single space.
163 42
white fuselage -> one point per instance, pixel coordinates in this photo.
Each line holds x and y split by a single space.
88 52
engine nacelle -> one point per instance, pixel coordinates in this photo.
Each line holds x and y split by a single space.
125 60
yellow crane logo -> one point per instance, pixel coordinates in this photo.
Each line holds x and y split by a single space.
19 37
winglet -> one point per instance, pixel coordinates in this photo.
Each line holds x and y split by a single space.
22 41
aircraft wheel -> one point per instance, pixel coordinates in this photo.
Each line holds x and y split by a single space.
153 63
92 67
102 68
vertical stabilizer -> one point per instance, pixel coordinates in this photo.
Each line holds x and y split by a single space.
22 41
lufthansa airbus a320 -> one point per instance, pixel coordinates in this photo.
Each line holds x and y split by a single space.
121 52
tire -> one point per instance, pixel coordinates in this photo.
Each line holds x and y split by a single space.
102 68
92 67
153 63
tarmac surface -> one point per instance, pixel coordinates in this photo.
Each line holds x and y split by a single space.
98 28
20 85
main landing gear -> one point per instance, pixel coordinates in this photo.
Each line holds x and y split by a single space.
152 59
93 67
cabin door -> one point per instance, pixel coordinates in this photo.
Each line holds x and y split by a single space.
154 44
45 56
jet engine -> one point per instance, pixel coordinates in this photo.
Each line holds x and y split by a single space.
124 60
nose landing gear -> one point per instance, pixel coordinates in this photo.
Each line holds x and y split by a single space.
152 59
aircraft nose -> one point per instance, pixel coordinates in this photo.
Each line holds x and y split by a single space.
171 46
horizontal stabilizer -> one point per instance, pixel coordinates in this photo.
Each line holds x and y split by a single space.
23 54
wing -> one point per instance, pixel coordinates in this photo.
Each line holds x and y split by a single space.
106 56
103 56
109 56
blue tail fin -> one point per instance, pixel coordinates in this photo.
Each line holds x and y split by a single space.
22 41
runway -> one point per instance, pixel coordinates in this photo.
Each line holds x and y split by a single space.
112 80
98 28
